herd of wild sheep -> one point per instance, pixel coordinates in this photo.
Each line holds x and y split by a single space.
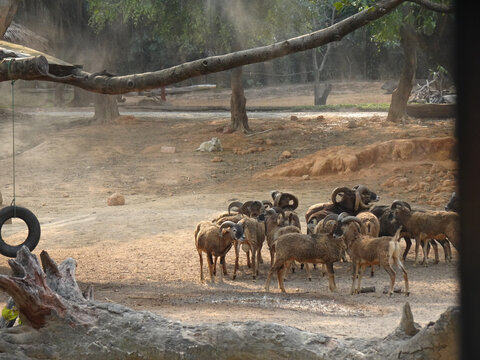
347 225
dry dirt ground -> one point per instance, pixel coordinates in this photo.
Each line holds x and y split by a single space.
142 254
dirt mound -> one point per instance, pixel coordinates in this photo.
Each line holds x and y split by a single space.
342 159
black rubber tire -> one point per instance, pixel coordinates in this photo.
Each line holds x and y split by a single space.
33 229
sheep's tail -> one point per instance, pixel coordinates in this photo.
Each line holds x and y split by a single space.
394 245
397 236
197 229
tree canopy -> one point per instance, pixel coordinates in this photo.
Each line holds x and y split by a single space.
121 84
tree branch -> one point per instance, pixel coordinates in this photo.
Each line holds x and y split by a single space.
443 8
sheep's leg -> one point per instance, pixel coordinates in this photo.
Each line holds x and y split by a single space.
211 268
272 255
214 264
260 258
224 265
435 249
372 273
249 264
269 277
360 275
254 263
307 269
408 245
447 250
324 269
258 262
237 253
388 268
281 274
287 270
355 266
417 244
425 245
201 266
405 275
331 277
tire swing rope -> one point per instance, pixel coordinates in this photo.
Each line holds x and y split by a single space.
13 143
14 211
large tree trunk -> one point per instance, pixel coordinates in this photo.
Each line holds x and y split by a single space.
8 8
238 109
398 107
106 108
61 322
321 91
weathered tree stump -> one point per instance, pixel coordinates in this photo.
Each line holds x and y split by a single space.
59 322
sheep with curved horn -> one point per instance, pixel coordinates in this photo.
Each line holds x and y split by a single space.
366 251
216 241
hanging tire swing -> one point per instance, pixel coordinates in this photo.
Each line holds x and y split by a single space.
14 211
30 220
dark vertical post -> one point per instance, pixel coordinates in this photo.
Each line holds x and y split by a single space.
468 133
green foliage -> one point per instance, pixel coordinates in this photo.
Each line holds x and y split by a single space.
386 29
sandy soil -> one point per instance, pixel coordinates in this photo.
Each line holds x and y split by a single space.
142 254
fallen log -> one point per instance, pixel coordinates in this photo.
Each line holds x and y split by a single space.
59 322
432 111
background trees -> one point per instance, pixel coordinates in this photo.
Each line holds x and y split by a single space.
132 36
414 27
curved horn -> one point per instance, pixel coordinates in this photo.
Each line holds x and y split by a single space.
338 190
267 203
277 196
342 216
271 211
400 203
236 204
225 224
290 198
328 218
274 193
358 197
349 219
278 210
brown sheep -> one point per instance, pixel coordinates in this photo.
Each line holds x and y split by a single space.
274 219
254 237
352 201
312 248
216 241
366 251
426 225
